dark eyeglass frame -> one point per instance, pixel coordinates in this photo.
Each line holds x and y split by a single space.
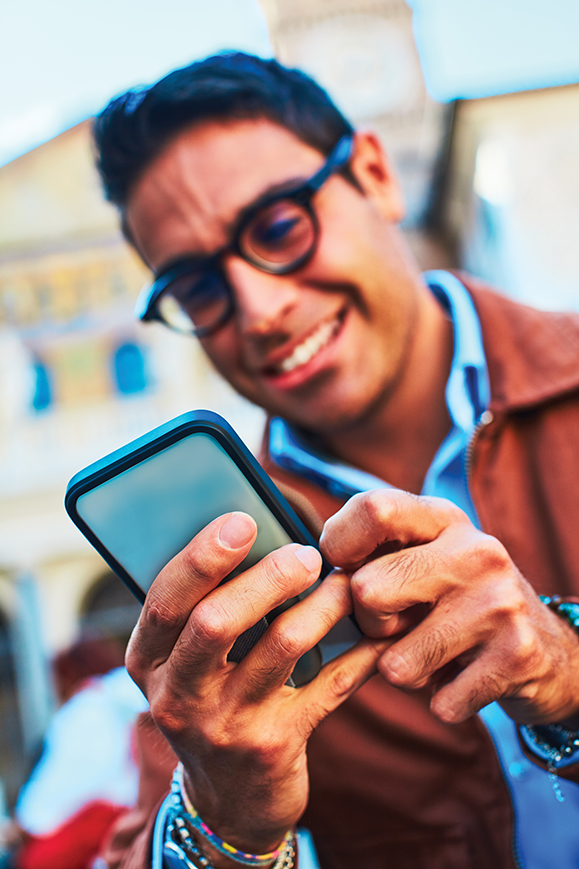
146 308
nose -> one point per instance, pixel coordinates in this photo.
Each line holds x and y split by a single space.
262 300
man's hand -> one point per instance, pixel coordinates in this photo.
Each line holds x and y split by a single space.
469 624
239 730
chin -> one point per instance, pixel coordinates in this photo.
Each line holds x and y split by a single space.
321 409
328 418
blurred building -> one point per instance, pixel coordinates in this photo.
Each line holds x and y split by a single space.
508 196
492 184
78 378
363 52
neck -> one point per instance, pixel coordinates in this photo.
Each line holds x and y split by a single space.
398 439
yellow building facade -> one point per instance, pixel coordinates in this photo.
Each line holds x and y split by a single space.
78 378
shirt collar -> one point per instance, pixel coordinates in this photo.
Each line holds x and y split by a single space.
467 388
467 396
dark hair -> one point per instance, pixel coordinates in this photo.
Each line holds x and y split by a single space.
132 130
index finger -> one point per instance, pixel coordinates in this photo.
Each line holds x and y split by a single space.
384 520
195 571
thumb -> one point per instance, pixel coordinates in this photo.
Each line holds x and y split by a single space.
340 678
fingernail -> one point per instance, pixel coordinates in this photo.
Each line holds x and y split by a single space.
394 668
310 557
443 710
236 531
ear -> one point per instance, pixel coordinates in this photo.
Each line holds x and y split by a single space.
375 174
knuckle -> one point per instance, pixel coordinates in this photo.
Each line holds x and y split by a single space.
528 656
494 556
341 682
167 714
511 602
363 587
506 604
159 613
196 560
134 665
377 506
529 692
284 644
276 568
215 733
206 624
265 748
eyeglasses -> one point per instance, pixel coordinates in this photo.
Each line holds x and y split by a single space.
277 234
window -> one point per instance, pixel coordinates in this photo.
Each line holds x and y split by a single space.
42 397
129 370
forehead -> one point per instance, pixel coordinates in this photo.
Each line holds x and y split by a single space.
187 199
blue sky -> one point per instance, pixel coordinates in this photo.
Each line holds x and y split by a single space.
476 48
60 60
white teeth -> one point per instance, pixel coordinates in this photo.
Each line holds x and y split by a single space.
308 348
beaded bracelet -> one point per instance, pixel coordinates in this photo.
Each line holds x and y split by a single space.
182 849
554 743
180 843
280 855
567 610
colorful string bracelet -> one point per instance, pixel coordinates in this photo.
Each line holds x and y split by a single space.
224 847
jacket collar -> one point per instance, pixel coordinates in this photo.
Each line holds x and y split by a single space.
532 356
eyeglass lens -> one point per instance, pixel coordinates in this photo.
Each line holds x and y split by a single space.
279 235
195 301
277 238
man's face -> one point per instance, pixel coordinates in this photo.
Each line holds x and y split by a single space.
327 344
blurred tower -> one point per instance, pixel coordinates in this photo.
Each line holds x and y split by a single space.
363 53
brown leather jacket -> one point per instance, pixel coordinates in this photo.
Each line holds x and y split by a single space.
391 786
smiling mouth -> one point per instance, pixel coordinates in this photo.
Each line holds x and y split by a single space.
310 347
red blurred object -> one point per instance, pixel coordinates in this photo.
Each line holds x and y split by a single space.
75 844
85 658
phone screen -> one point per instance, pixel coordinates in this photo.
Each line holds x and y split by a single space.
148 513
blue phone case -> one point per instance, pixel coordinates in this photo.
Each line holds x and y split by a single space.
143 503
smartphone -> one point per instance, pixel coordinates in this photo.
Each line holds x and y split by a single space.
143 503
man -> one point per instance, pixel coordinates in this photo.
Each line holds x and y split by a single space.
272 229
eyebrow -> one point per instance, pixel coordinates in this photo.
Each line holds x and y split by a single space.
270 192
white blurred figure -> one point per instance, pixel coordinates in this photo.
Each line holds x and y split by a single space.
86 775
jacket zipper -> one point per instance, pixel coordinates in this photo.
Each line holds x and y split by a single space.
485 419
